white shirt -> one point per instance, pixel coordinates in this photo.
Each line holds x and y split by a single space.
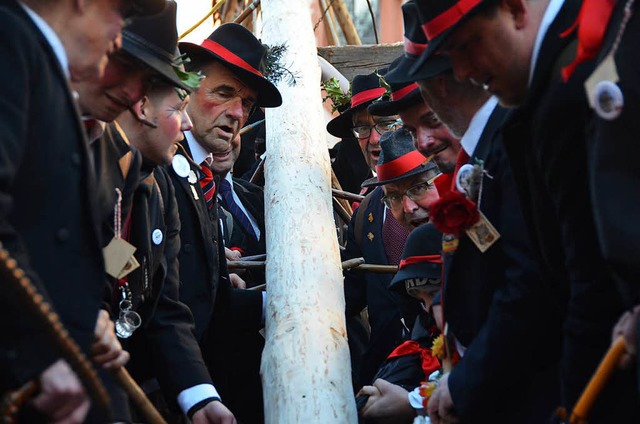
471 137
549 16
51 37
198 153
236 199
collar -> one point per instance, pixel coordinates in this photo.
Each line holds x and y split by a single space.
198 153
52 38
229 178
94 128
471 137
553 8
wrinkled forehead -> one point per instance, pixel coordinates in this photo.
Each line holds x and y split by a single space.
217 74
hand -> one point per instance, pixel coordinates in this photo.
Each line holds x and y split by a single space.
237 282
62 398
388 403
626 327
213 413
440 405
106 350
232 255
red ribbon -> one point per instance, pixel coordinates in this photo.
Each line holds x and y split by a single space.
413 48
448 18
399 166
429 362
434 259
229 56
591 23
366 95
404 91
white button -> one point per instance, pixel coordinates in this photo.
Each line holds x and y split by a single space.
156 236
608 100
181 166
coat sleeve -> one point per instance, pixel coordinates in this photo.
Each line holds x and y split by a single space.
170 334
21 354
511 346
355 287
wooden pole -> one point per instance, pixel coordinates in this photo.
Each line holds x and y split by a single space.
346 24
305 364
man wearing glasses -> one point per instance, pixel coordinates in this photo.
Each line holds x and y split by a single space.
400 202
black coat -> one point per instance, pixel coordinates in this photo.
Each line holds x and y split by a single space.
491 301
545 142
48 216
165 345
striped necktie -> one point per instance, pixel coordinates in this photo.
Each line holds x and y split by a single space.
231 205
207 184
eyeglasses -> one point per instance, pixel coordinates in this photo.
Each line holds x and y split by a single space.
364 131
415 193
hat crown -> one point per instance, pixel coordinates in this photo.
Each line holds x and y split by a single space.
241 42
414 39
438 16
397 86
424 240
157 34
395 144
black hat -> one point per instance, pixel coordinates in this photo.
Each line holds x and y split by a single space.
399 159
145 7
238 49
364 90
439 19
421 257
415 43
403 96
153 41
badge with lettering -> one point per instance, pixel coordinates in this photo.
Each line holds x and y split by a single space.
482 233
449 243
180 165
192 178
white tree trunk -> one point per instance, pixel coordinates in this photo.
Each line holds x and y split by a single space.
306 371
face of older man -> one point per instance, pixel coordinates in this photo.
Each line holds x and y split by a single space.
430 136
95 30
369 128
410 199
218 110
494 49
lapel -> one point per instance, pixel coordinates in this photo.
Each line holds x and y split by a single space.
253 201
372 241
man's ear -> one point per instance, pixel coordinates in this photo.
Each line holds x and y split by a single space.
519 12
141 108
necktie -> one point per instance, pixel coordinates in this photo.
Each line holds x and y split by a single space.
231 205
207 184
395 237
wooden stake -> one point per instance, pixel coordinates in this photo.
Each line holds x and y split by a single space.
346 23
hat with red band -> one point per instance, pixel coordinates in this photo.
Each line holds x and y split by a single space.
365 89
239 50
415 43
438 20
399 159
403 96
421 257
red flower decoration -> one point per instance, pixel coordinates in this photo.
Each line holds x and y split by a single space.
453 213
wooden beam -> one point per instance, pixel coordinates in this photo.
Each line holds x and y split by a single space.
354 60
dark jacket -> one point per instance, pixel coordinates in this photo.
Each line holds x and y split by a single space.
47 210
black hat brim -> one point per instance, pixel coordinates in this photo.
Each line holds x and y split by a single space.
424 167
422 67
404 72
267 93
341 125
416 270
139 49
388 108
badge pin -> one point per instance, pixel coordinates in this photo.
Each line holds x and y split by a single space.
157 236
192 178
181 166
370 236
608 100
464 177
370 217
195 193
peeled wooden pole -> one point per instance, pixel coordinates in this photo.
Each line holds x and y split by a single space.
346 23
306 371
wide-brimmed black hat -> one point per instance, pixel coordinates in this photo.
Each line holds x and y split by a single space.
364 90
415 43
239 50
145 7
438 20
399 159
421 257
403 96
153 41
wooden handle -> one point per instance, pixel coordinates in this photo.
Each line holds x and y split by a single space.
598 380
13 401
136 394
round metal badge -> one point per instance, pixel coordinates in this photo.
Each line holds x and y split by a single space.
181 166
608 100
